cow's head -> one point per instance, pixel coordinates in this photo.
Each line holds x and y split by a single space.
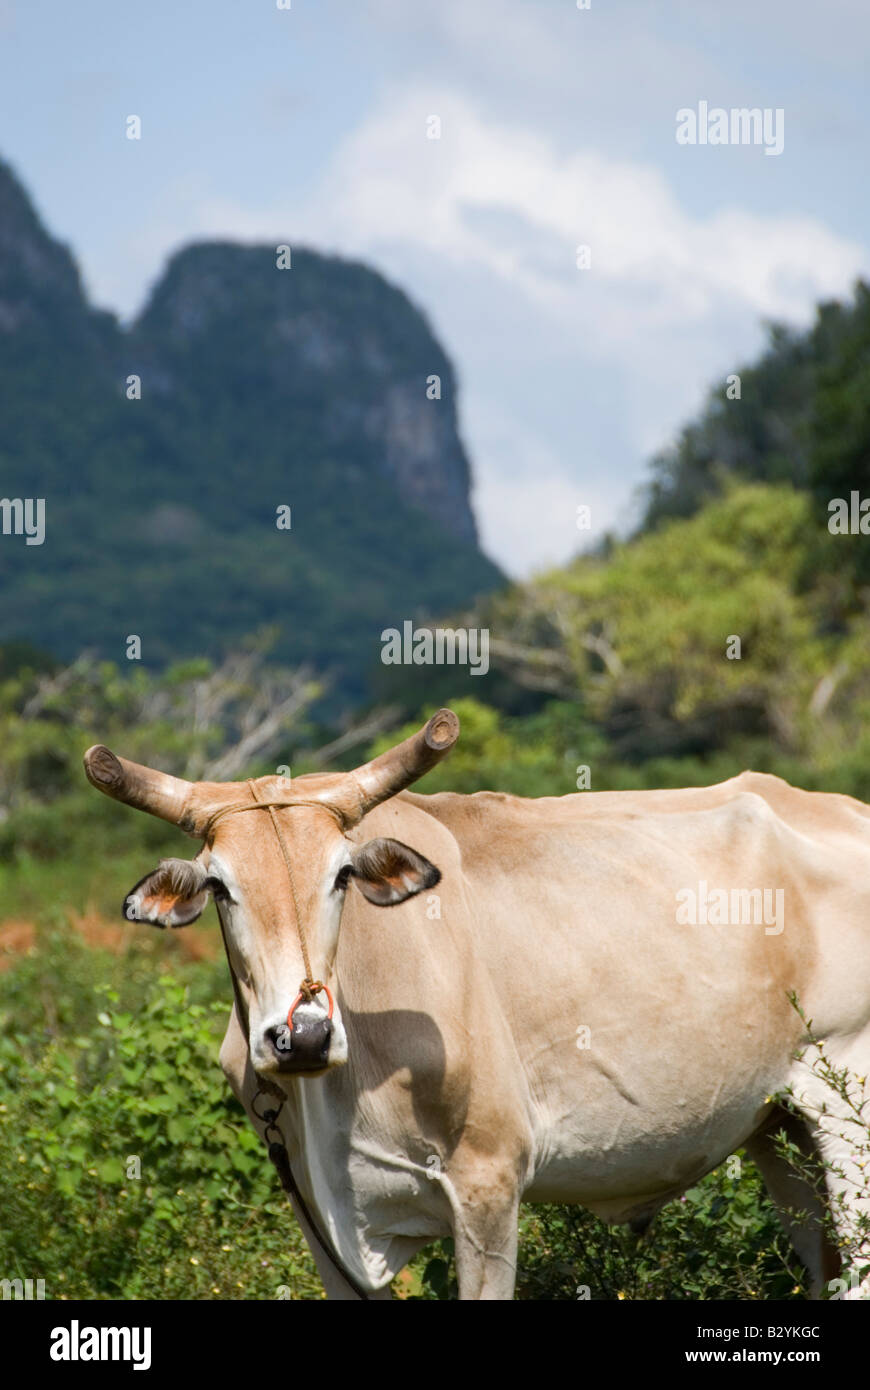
261 896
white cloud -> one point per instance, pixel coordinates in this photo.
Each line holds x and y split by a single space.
526 501
653 263
482 227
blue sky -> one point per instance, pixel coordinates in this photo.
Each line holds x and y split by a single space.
308 126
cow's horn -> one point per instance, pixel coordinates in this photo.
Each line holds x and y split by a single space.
396 769
170 798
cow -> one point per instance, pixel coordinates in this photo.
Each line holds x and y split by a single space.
537 1017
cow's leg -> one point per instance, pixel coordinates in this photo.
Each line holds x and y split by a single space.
840 1130
485 1214
849 1201
236 1064
486 1254
800 1208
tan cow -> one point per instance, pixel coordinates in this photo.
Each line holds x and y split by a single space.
573 999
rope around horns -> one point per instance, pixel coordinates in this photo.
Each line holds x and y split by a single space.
309 986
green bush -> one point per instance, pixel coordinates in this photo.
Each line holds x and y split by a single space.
129 1171
720 1240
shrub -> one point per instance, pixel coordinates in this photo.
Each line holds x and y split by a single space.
129 1169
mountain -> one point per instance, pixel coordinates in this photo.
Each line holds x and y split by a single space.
260 389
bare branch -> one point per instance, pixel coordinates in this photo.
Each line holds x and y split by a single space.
260 739
376 723
826 688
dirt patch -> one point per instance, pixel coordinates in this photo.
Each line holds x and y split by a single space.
16 939
19 937
97 930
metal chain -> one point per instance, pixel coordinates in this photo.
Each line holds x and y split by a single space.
281 1160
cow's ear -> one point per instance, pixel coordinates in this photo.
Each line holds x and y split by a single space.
387 872
172 895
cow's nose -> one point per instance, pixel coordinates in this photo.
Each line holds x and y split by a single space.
305 1047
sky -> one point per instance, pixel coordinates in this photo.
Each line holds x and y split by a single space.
308 125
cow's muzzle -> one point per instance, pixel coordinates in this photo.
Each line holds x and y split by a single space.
302 1043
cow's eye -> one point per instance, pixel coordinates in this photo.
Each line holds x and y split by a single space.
219 890
342 878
